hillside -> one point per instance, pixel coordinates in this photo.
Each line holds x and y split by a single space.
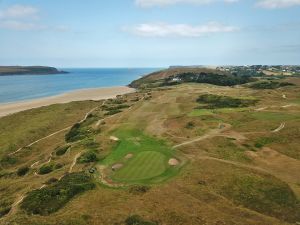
179 75
186 154
31 70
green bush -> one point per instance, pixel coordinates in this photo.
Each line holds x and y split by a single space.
262 141
5 206
45 169
74 134
190 125
88 157
62 150
22 171
112 112
52 198
8 160
217 101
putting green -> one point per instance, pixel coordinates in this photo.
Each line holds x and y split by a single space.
145 165
149 161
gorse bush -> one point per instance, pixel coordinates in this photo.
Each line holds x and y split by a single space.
45 169
88 157
22 171
62 150
217 101
50 199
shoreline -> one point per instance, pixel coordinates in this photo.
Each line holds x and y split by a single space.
77 95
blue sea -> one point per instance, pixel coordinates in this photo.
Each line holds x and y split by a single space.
26 87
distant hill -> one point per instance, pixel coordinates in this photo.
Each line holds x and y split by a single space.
32 70
177 75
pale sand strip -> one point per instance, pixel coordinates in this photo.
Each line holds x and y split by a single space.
80 95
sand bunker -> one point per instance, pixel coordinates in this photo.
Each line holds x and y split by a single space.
113 138
173 162
117 166
129 156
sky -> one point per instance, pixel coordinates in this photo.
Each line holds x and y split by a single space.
149 33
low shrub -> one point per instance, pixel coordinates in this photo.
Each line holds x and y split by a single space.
52 198
217 101
190 125
62 150
8 160
22 171
45 169
88 157
112 112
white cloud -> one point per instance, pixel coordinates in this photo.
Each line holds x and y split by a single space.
152 3
19 25
179 30
276 4
24 18
19 11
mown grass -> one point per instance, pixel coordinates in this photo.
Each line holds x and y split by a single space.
275 116
145 165
149 162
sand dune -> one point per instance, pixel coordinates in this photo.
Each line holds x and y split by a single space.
80 95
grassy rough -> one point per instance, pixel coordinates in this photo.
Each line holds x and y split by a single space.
263 194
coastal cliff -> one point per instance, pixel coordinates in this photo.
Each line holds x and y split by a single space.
28 70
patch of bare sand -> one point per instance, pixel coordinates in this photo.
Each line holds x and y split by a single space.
113 138
129 156
117 166
173 162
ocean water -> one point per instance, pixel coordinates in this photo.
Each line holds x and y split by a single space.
26 87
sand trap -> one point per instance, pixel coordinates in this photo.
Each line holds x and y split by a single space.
129 156
117 166
113 138
173 162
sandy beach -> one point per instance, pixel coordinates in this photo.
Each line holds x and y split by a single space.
79 95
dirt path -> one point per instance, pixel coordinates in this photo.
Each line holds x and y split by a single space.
53 134
210 134
74 161
282 125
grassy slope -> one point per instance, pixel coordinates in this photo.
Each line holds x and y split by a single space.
18 130
206 191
